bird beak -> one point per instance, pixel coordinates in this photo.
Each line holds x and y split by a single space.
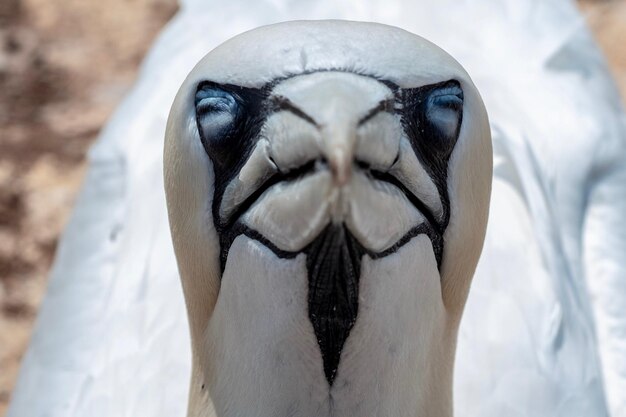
339 147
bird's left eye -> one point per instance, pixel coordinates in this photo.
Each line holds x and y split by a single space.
441 113
216 112
443 109
432 115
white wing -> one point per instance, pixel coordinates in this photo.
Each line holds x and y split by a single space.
111 338
559 184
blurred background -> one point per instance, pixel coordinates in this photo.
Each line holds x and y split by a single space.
64 67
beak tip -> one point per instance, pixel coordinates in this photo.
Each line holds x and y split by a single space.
341 168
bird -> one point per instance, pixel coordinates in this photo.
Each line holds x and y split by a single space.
542 330
328 199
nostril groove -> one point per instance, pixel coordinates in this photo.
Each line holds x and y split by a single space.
397 158
271 158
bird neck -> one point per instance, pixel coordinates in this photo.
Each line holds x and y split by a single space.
260 355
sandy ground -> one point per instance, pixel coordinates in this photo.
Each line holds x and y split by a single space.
64 66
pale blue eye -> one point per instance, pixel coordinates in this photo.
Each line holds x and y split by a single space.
212 99
449 96
217 112
443 110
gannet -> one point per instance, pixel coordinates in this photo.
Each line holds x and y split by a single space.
328 188
111 338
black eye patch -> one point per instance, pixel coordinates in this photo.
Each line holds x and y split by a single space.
228 119
440 116
219 114
434 113
432 116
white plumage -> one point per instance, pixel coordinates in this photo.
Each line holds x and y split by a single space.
356 228
112 339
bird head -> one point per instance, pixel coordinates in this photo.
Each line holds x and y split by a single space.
327 187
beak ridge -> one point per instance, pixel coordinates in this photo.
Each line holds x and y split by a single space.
339 151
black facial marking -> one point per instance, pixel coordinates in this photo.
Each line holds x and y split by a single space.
230 119
432 117
419 204
283 103
333 262
383 106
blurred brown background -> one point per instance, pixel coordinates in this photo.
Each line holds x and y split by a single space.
64 66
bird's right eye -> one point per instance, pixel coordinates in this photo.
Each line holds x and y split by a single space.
217 112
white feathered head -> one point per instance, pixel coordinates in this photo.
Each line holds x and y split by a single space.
333 146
